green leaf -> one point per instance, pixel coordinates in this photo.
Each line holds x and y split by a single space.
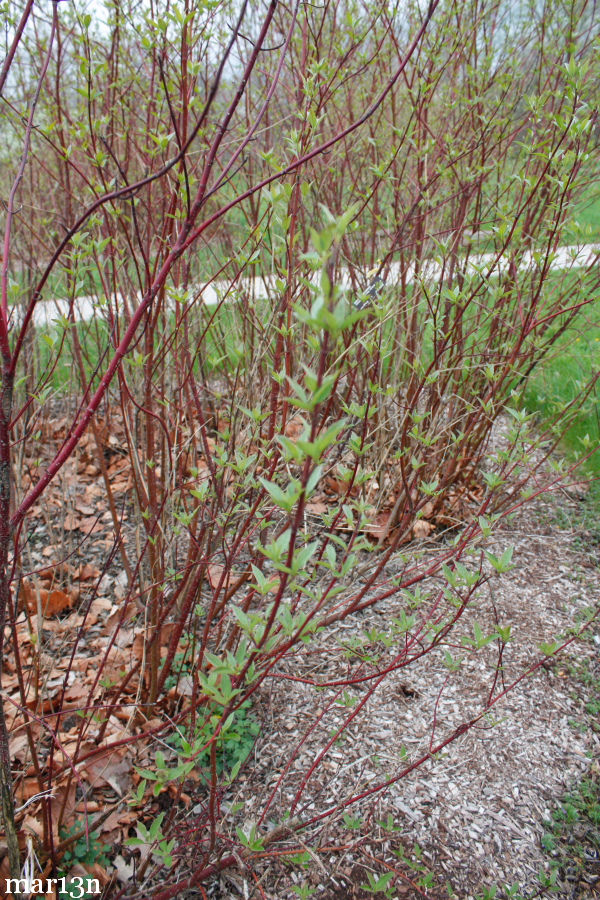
314 479
504 633
285 500
353 822
252 840
377 885
503 563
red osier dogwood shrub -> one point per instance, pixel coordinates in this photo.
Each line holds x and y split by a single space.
268 282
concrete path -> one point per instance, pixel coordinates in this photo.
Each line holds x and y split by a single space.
49 312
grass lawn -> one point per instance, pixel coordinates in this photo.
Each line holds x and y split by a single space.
587 216
560 379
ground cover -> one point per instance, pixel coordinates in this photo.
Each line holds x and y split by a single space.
480 818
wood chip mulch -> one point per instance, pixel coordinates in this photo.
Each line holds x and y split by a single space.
474 816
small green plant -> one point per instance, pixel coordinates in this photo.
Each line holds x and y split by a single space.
234 740
593 709
85 851
512 892
352 822
304 891
548 880
162 849
573 833
162 775
298 859
251 839
489 893
389 824
180 666
426 877
379 885
548 842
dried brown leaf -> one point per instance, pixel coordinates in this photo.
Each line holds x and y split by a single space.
422 529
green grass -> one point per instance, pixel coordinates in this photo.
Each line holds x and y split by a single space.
561 379
222 347
587 218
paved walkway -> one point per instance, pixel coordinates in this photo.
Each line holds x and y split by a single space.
49 311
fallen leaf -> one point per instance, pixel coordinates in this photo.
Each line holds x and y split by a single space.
108 768
52 602
166 631
122 484
26 789
56 602
334 485
422 529
71 522
90 526
379 528
77 693
294 428
215 573
125 870
18 745
183 688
